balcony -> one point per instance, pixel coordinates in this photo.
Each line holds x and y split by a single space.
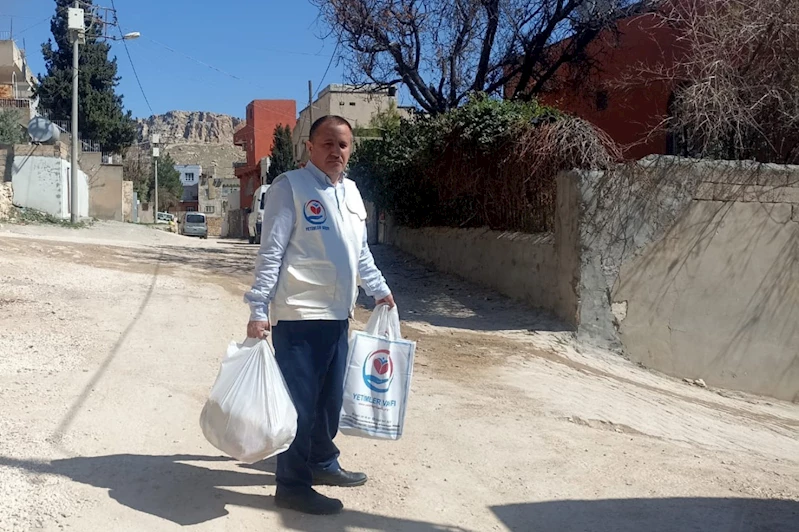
23 107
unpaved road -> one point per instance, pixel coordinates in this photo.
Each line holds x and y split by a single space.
110 339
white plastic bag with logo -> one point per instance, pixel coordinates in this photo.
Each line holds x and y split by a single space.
378 378
249 414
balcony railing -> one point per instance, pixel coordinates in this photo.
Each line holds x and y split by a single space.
15 103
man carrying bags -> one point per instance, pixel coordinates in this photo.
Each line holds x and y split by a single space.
313 251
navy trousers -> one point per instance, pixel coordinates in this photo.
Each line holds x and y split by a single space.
312 356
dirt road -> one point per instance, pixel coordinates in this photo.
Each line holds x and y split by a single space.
110 339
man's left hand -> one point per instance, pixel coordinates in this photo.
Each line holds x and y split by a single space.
388 300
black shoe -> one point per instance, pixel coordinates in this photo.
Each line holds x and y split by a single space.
341 478
307 502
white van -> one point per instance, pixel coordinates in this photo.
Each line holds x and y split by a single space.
256 216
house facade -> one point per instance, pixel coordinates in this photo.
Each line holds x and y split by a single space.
17 82
357 104
624 94
256 139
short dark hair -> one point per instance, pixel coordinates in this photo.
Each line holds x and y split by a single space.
335 119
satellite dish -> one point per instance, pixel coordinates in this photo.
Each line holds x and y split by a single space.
42 131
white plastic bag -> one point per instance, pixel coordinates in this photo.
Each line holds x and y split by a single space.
249 414
378 378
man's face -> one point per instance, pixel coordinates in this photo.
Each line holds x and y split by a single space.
330 148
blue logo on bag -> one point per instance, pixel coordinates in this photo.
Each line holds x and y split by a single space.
315 212
378 371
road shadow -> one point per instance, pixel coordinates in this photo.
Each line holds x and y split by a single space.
443 300
176 489
689 514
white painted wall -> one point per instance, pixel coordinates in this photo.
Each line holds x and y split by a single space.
188 170
42 183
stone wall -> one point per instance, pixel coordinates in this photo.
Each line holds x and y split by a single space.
214 226
127 201
6 200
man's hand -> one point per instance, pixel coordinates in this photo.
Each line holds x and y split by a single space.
258 329
388 300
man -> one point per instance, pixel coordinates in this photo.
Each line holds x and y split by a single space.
313 251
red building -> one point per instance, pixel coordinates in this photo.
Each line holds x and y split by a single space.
256 137
625 95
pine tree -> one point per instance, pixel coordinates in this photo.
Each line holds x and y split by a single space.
282 159
100 113
170 188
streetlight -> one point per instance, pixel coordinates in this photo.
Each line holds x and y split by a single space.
76 26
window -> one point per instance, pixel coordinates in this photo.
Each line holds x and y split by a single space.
209 209
352 104
189 177
191 209
601 100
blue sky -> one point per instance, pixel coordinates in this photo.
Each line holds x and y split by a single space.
267 49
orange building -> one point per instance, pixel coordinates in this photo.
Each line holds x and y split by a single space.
625 96
257 137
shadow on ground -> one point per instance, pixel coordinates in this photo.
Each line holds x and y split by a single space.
176 489
692 514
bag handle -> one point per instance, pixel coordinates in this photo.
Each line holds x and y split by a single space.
384 322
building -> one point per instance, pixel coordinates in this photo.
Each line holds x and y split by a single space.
620 96
218 199
357 104
17 82
189 173
40 177
256 138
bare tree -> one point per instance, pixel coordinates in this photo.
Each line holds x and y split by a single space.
737 82
442 50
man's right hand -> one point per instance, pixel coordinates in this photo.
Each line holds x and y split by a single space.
258 329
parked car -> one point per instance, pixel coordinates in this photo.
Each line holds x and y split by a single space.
165 218
256 215
195 224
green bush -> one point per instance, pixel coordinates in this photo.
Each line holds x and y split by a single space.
489 163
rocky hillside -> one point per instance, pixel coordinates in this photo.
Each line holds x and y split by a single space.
197 137
185 127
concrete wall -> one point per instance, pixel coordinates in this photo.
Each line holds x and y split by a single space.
521 266
105 187
43 183
688 267
692 268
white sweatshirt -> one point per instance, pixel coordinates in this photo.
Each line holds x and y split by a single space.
313 250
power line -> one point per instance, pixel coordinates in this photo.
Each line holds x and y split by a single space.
130 58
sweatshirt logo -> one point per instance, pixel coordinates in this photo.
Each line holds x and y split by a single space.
316 215
315 212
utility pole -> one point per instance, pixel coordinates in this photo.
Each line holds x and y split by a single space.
76 25
156 139
310 100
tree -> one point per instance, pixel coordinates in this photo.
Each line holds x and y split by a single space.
137 167
282 159
100 113
443 50
170 188
735 86
10 129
